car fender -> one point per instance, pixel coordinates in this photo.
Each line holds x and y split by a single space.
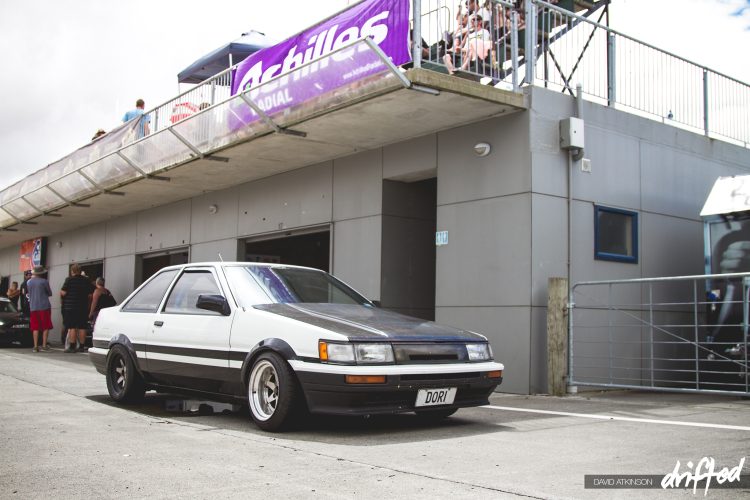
123 340
271 344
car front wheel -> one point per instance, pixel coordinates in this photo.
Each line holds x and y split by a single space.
273 392
124 383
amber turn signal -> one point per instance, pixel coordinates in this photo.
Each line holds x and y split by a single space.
365 379
323 351
495 374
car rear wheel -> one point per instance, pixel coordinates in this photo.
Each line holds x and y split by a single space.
438 414
124 383
273 392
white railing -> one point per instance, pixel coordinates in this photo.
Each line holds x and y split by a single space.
620 71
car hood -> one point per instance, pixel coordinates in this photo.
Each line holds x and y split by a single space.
363 323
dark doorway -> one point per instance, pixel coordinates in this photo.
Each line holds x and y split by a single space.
150 264
92 270
308 249
408 247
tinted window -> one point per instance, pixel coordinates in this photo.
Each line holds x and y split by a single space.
245 289
189 287
616 234
286 284
147 299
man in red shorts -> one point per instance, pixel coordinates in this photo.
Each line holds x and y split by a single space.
40 307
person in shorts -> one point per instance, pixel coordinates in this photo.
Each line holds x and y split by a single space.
40 317
75 308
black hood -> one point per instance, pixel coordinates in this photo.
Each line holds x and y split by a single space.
364 323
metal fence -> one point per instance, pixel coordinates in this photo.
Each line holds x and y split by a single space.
620 71
670 334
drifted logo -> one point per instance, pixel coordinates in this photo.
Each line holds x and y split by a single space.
704 470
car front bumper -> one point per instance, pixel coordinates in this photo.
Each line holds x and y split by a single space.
327 391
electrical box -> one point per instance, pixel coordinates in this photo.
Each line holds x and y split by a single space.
571 133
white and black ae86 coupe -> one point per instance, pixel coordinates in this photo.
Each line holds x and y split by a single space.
285 340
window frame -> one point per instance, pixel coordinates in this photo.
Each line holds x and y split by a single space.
616 257
127 306
173 285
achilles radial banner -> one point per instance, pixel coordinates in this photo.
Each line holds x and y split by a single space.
386 22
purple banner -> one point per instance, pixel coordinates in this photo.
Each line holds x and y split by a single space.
386 22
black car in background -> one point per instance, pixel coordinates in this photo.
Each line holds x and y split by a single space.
13 326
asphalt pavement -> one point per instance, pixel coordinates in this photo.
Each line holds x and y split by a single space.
62 437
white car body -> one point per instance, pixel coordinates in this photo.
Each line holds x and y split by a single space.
164 341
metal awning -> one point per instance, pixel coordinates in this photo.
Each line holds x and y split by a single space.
729 195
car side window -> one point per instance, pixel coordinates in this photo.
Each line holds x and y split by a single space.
148 298
189 287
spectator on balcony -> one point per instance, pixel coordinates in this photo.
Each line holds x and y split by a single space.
452 57
477 46
144 120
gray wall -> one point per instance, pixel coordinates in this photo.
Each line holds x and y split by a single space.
506 216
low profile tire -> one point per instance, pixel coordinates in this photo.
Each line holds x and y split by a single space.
124 383
273 393
438 414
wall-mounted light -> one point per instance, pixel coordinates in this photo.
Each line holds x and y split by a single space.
482 149
59 244
212 209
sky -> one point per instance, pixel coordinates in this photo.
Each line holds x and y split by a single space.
73 66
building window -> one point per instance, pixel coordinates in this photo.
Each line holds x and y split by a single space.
615 234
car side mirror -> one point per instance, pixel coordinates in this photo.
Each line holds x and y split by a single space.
216 303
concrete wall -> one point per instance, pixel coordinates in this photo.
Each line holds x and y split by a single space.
506 215
661 172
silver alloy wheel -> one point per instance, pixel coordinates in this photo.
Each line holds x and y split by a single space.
263 390
120 373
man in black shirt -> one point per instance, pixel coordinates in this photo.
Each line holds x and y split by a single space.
75 307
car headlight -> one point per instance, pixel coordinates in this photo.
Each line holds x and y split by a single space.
363 354
479 352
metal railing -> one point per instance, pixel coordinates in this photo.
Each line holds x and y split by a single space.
480 44
685 334
179 134
620 71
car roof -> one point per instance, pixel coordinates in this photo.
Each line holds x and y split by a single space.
237 263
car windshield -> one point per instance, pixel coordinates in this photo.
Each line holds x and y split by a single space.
265 284
7 307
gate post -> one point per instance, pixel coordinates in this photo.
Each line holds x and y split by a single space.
557 335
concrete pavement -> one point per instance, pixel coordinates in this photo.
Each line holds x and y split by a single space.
62 437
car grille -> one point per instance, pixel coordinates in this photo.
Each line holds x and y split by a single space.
429 353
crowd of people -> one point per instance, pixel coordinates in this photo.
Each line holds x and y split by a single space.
80 298
480 41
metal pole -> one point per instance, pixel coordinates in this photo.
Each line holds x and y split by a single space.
514 47
530 48
416 49
651 328
695 331
745 319
705 102
611 82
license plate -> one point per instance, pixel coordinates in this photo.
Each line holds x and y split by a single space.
434 397
20 325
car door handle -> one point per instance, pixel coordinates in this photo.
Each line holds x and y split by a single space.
158 323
